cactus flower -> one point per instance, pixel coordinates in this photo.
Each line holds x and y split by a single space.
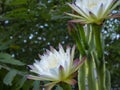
93 11
56 66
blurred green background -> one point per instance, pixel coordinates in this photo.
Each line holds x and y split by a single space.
28 27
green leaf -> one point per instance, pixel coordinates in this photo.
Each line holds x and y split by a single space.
9 77
21 82
58 88
16 13
18 2
36 85
0 67
27 85
6 58
4 45
65 86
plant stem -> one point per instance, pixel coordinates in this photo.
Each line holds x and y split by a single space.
99 49
92 82
108 80
82 35
82 77
98 41
102 77
77 38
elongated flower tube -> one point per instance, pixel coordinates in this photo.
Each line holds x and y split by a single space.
56 66
93 11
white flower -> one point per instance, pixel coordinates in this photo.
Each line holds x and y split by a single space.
93 11
56 66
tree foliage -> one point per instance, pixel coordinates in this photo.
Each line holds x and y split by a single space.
28 27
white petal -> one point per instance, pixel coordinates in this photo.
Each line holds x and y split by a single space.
83 7
78 10
50 62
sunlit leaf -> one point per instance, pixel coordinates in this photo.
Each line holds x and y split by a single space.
9 77
6 58
17 2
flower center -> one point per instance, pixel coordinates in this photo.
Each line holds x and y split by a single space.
52 64
92 5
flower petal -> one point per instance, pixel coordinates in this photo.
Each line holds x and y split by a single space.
37 77
100 11
92 15
61 73
49 86
77 63
54 65
78 10
93 11
73 52
71 81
